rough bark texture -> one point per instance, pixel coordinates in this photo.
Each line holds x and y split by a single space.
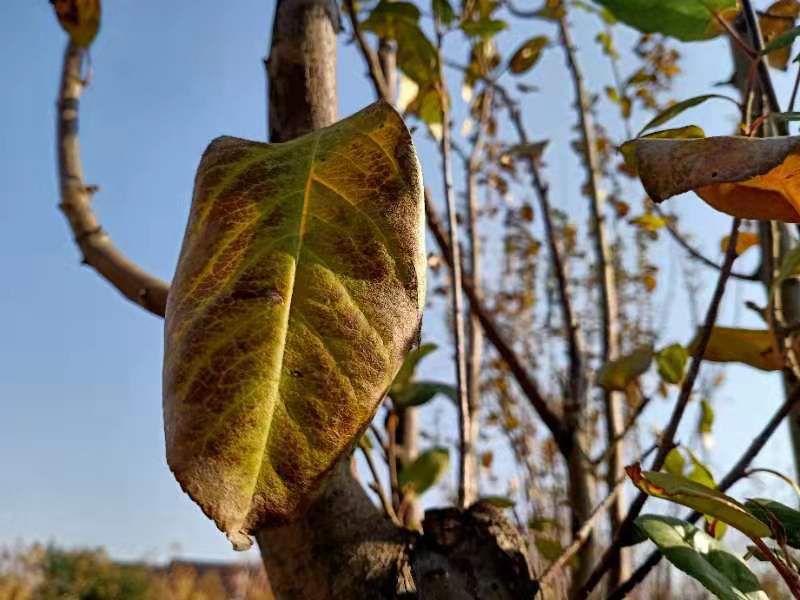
344 547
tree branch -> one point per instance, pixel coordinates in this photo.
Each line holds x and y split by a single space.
371 58
608 289
667 441
540 406
99 252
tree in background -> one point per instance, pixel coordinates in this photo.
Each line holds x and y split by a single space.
299 291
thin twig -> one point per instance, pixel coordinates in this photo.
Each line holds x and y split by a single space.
99 252
376 485
373 62
630 423
466 456
608 285
526 383
694 252
668 437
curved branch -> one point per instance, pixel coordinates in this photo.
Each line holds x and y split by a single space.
99 252
373 62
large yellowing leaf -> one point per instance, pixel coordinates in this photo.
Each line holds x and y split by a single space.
754 347
777 28
298 292
699 497
752 178
79 18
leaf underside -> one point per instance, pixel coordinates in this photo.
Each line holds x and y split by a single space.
751 178
298 292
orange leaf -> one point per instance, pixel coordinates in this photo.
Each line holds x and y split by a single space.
744 177
744 241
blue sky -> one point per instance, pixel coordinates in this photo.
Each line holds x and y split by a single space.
81 443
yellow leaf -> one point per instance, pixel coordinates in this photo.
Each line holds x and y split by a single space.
775 21
299 291
649 222
79 18
617 374
699 497
744 241
751 178
752 347
527 55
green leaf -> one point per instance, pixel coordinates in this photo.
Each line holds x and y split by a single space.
484 28
671 363
498 501
425 471
674 463
687 20
701 557
443 12
549 548
784 40
700 472
699 497
617 374
417 393
298 292
706 424
679 107
387 17
528 54
789 518
409 368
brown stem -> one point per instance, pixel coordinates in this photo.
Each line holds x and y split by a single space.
667 441
466 455
788 576
376 484
373 63
99 252
608 292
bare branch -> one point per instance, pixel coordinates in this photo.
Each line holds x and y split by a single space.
528 386
667 441
99 252
608 285
371 58
376 485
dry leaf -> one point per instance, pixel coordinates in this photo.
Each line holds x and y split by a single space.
744 241
754 347
79 18
298 293
751 178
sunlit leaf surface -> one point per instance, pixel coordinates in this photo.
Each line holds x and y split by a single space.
298 293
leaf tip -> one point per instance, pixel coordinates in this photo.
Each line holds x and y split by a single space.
239 540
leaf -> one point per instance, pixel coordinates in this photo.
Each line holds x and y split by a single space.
744 241
417 393
549 548
648 222
671 363
387 17
483 28
700 556
412 359
699 497
497 501
751 178
552 10
706 423
777 28
789 518
687 20
528 54
79 18
754 347
674 463
617 374
298 292
425 471
443 12
673 111
628 149
700 473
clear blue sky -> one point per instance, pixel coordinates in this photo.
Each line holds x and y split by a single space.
81 443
